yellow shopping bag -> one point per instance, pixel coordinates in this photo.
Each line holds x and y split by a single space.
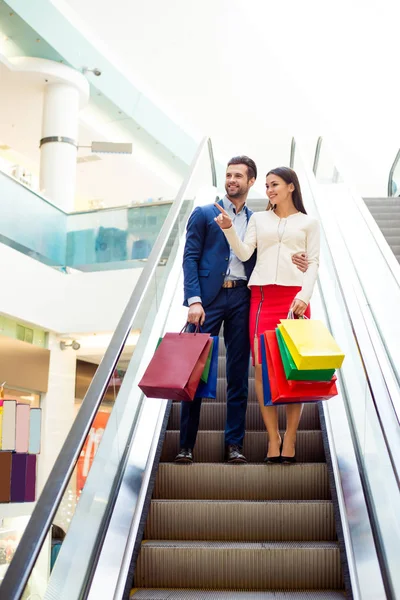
311 344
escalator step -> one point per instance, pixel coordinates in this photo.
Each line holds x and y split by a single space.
210 446
294 521
182 594
257 566
202 481
213 414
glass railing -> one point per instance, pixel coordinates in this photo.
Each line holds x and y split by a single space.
86 503
394 177
114 238
110 238
30 224
359 300
376 267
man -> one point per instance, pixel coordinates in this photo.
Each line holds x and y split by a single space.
215 289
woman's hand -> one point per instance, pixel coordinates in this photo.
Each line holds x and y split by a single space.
223 220
298 307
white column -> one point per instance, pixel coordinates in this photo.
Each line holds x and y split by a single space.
58 158
58 406
66 91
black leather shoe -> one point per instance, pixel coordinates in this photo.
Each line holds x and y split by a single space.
233 455
185 456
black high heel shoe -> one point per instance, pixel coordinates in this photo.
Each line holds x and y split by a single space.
274 460
288 460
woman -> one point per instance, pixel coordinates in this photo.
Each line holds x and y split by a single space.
276 285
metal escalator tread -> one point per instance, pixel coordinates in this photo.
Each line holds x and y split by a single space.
241 565
182 594
202 481
241 520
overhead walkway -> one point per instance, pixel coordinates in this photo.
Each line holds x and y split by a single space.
327 527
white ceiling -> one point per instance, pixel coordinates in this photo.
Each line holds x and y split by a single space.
114 179
252 73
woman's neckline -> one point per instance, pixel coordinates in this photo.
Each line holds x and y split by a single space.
288 217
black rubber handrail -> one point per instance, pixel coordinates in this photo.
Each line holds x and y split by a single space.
22 564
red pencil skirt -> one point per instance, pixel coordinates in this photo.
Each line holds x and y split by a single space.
269 304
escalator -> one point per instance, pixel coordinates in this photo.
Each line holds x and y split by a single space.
240 527
326 527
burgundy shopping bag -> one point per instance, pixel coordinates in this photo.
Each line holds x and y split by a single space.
175 370
283 391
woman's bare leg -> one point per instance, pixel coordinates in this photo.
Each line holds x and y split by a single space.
293 414
268 413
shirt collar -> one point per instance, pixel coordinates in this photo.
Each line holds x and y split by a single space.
230 207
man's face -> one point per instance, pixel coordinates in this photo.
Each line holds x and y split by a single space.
236 181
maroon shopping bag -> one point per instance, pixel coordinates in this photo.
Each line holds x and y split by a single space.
175 370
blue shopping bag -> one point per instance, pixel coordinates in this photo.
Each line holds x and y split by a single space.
265 378
209 389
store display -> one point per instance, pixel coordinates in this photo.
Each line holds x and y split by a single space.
35 425
18 477
5 476
22 428
30 478
9 425
20 442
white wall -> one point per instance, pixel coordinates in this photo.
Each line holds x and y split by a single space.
78 302
250 74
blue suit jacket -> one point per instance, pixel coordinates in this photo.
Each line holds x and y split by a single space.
206 255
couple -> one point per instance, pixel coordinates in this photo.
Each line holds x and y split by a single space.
247 271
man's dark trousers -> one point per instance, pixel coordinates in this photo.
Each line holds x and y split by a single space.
230 307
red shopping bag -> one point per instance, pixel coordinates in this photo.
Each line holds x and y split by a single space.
175 370
283 391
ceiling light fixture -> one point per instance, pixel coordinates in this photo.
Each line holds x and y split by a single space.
110 148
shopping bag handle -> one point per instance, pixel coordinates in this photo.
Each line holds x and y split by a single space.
184 328
291 315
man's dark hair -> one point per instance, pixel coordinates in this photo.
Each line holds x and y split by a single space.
245 160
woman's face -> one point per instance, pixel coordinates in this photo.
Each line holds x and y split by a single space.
277 189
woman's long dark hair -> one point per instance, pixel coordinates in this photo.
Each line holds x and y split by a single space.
289 176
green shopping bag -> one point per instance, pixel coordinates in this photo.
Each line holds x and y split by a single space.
206 372
292 372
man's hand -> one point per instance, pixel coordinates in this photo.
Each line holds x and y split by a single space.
196 314
301 261
223 220
298 307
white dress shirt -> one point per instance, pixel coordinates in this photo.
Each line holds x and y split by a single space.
276 241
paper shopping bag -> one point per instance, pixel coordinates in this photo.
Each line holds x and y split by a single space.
311 344
209 389
283 391
174 371
292 372
205 373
